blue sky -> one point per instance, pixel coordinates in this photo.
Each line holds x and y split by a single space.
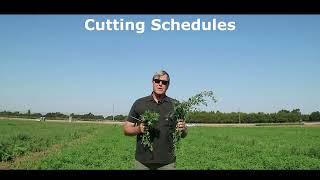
51 63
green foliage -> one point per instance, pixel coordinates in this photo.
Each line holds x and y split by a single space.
103 147
56 115
149 119
109 118
180 112
315 116
17 114
119 117
283 116
193 116
259 148
182 109
22 137
106 149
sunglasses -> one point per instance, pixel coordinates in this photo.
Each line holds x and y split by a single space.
158 81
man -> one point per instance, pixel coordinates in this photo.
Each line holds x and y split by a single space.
163 155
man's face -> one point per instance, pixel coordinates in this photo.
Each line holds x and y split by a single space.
160 84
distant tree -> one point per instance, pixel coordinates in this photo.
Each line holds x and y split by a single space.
36 115
15 114
314 116
88 116
296 111
99 117
120 117
305 117
56 115
109 118
284 111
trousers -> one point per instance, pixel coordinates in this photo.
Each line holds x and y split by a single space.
140 166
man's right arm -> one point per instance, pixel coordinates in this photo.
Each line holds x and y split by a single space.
132 129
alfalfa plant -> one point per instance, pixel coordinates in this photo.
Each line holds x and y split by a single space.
182 110
149 120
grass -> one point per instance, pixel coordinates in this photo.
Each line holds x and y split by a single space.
21 137
251 148
102 146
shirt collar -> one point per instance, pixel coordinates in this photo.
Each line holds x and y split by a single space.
166 98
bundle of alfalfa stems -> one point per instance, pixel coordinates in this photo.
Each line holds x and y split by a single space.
181 112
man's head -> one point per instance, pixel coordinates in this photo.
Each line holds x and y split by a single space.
160 82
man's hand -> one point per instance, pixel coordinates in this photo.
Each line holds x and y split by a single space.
181 126
141 128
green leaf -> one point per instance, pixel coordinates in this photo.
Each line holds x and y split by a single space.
150 119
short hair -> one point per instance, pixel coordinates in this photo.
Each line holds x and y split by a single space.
161 73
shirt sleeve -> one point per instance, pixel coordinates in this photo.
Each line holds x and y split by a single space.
133 113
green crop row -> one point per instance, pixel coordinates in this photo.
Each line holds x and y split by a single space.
204 148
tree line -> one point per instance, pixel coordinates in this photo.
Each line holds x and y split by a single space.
282 116
60 116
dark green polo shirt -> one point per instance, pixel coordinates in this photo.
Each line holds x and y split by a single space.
162 143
